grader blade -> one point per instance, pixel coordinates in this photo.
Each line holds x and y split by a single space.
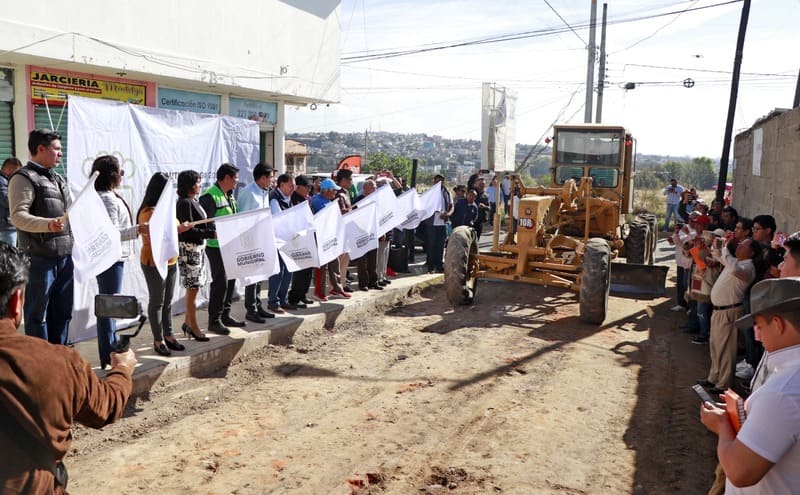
641 280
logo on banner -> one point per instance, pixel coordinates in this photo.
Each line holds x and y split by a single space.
300 254
330 243
385 219
247 240
251 258
99 245
365 239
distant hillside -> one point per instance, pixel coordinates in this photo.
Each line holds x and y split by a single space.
457 158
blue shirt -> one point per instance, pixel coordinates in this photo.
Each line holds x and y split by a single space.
464 213
318 202
252 197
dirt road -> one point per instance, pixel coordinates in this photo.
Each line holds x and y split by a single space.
512 396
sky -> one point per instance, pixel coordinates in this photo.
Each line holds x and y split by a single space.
439 92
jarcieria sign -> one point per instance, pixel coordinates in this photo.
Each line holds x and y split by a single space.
56 85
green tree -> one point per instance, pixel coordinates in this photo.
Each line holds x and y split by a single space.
400 166
700 173
675 169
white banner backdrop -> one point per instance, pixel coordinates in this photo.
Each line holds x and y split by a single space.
330 232
247 246
97 243
431 201
294 236
360 227
148 140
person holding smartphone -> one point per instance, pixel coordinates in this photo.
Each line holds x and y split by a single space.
673 193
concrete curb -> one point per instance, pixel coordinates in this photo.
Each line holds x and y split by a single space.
203 359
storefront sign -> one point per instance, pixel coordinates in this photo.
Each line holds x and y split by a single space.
55 86
259 111
175 99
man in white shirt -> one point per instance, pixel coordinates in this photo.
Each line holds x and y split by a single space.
673 193
764 457
727 297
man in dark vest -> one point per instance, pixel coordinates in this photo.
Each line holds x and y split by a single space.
280 198
218 201
38 198
301 280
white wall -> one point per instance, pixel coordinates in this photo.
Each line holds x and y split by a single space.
288 48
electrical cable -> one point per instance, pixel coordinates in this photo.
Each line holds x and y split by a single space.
585 44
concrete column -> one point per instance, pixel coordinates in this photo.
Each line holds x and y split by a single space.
280 139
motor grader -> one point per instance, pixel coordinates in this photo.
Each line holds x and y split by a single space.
567 235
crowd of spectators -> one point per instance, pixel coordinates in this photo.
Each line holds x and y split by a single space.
737 283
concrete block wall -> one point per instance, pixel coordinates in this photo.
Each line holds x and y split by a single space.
776 190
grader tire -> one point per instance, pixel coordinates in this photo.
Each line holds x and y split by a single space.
636 246
458 283
652 223
595 281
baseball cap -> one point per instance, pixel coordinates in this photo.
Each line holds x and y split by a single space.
328 184
772 295
719 233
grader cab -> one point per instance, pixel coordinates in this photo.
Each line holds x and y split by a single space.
568 235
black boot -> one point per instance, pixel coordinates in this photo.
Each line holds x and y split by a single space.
217 327
228 320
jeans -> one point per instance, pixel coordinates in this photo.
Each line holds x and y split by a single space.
279 285
437 234
681 284
672 212
108 282
159 305
383 259
704 317
48 298
221 289
9 237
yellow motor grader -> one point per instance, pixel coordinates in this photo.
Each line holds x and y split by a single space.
567 235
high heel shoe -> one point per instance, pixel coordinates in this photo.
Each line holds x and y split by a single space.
162 349
174 345
188 332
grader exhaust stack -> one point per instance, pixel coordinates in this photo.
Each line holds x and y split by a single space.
567 235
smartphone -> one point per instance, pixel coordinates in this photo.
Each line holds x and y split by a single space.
116 306
704 396
781 239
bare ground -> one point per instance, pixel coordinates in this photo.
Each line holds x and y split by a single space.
513 395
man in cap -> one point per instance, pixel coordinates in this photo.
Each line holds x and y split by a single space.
328 191
764 455
301 280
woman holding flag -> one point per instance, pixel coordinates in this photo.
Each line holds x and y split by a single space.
109 177
160 289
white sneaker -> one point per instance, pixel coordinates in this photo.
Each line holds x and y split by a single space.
742 365
745 373
677 307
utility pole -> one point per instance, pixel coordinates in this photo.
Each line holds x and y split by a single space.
587 116
601 76
366 139
737 66
797 93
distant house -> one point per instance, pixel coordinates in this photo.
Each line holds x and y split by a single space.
296 153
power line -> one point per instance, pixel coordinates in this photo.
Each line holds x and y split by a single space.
657 30
392 53
585 44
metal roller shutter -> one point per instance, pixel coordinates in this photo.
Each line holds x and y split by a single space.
6 131
42 121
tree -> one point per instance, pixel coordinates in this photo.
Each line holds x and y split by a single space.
400 166
675 169
700 173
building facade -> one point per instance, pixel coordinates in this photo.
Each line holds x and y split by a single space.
241 58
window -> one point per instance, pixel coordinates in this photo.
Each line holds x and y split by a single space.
604 177
563 174
592 147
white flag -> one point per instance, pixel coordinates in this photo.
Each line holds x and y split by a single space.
247 246
431 201
388 214
409 207
97 243
360 227
330 232
163 227
294 236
